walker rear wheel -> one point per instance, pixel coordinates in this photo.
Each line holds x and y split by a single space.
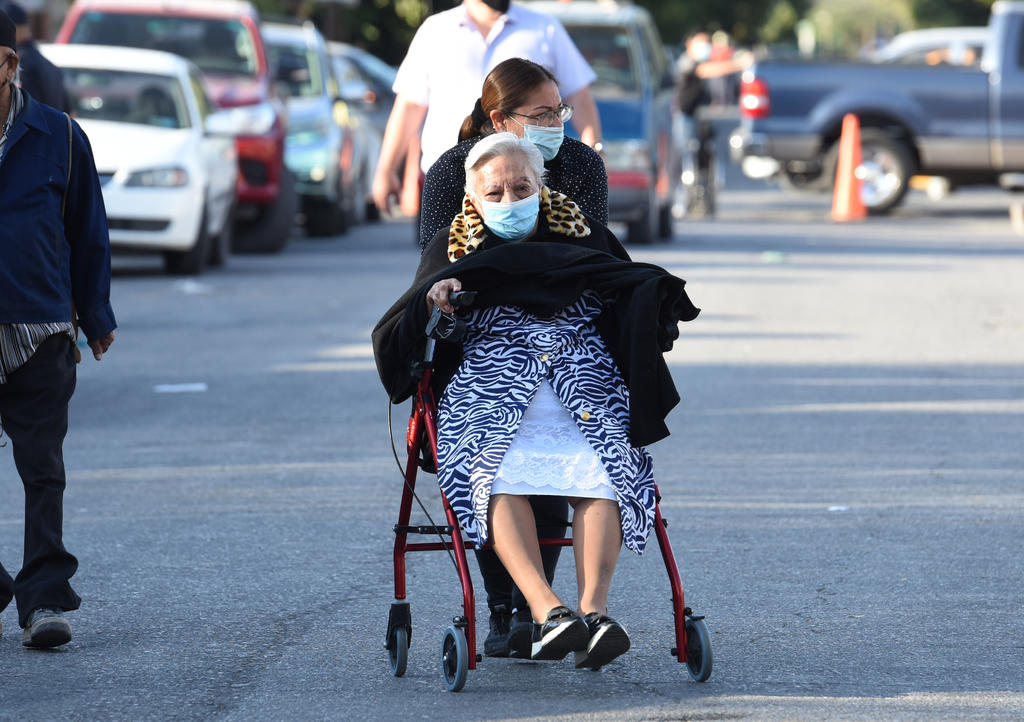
454 658
698 649
398 650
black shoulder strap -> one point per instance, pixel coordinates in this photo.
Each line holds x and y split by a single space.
63 208
64 199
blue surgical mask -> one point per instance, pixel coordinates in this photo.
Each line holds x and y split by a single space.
547 139
512 221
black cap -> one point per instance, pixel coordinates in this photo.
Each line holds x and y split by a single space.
16 13
8 34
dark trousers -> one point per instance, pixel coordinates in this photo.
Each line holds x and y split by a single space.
550 513
34 414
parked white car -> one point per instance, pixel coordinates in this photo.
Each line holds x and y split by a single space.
166 158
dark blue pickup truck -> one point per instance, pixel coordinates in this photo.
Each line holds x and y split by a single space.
965 124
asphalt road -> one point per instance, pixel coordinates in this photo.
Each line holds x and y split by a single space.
844 486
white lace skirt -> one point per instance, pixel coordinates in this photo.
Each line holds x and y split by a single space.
549 455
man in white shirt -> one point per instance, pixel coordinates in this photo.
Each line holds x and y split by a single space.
444 70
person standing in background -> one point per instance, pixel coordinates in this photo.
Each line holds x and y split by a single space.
440 79
42 79
54 267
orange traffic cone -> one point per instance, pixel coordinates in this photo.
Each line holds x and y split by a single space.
847 204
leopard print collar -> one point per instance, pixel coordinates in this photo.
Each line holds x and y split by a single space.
562 215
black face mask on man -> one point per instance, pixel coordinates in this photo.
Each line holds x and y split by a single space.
500 5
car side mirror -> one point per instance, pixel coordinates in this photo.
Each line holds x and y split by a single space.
356 91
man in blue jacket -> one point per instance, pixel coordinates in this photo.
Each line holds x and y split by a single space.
54 264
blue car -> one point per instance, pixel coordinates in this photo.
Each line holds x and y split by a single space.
635 94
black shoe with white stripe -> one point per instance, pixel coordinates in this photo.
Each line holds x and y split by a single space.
520 635
608 639
561 633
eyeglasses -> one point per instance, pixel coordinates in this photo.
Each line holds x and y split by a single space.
561 114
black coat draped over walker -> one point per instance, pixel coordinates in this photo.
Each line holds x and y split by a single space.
542 275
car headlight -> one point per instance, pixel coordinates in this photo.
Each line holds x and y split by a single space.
158 178
623 155
253 119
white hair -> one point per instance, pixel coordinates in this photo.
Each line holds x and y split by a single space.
502 144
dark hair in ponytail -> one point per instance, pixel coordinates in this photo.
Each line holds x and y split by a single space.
506 86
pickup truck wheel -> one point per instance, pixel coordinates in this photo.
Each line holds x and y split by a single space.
885 169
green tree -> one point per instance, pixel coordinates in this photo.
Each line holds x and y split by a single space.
383 27
843 27
386 27
939 13
743 19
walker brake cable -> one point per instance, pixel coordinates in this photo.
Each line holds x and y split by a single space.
401 471
444 326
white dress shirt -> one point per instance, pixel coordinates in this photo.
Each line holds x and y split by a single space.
449 58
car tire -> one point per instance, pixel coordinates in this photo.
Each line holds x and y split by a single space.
358 196
220 248
665 221
192 261
372 214
644 229
888 161
326 217
272 229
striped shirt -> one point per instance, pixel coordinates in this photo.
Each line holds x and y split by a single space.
18 341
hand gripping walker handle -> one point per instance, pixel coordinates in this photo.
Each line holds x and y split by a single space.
462 299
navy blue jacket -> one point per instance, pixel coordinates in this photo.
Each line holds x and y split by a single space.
45 259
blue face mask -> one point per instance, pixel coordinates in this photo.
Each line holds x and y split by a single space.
512 221
547 139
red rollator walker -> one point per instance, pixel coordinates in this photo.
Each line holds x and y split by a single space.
458 646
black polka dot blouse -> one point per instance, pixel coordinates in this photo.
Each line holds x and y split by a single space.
577 171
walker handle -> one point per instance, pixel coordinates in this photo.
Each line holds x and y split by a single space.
462 299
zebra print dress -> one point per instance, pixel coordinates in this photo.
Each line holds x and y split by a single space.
507 354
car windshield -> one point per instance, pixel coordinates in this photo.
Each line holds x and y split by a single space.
215 45
126 97
607 49
296 67
379 71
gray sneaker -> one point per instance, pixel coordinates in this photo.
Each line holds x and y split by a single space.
46 628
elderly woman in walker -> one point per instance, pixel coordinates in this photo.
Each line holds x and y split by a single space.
558 384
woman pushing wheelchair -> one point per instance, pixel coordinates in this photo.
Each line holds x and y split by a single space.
555 389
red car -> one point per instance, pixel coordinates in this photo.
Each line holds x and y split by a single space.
223 40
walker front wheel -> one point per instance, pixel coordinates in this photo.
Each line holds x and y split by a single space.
698 649
454 658
398 650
